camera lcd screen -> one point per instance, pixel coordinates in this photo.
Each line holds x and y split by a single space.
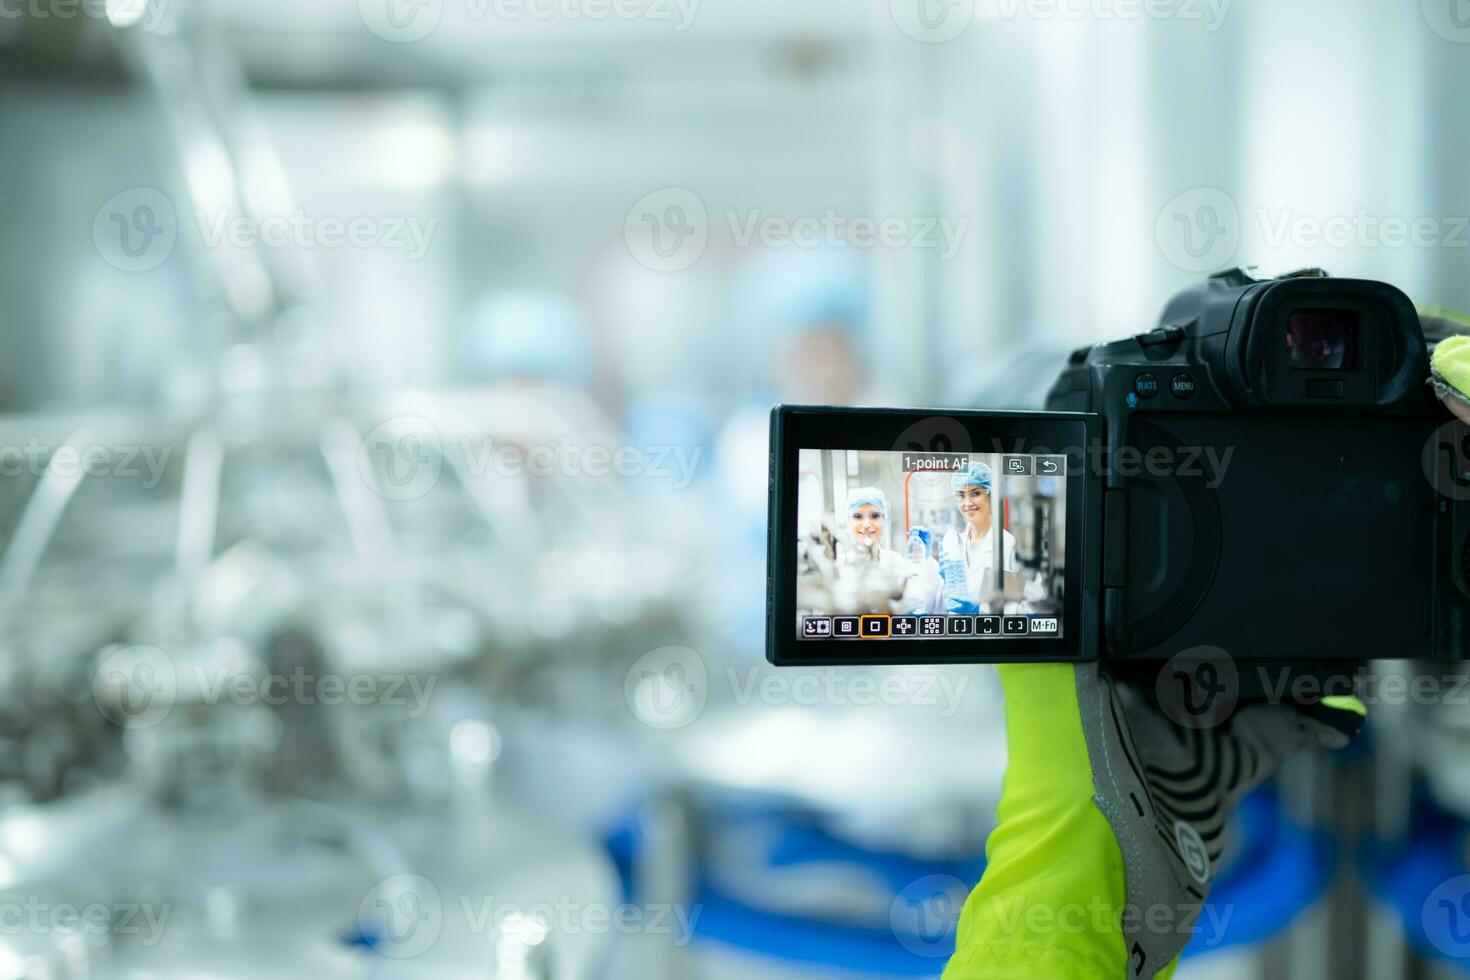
907 539
929 545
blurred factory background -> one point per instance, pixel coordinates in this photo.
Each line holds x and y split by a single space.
384 390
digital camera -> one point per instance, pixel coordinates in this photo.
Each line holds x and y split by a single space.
1265 474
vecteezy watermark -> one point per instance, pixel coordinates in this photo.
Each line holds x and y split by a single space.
137 229
1450 19
1198 688
138 686
1446 459
668 230
1205 924
146 14
833 230
932 21
403 916
33 915
1208 464
566 917
937 434
925 914
1198 230
1281 685
408 233
667 688
1362 229
131 462
1445 917
1201 687
938 21
848 688
405 21
402 459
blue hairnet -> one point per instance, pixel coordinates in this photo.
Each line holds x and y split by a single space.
978 475
790 292
868 495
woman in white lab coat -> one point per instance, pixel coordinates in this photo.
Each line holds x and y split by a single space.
867 515
867 518
971 550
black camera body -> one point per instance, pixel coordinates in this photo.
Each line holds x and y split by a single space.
1274 483
1266 478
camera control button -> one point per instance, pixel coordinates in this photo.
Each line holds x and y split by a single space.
1160 335
816 626
1146 385
1182 385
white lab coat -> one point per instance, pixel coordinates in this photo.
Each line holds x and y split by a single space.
980 563
920 594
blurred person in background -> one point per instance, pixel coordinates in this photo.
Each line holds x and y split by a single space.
802 315
526 359
524 410
807 312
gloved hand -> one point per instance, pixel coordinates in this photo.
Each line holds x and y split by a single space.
1111 823
961 607
1111 818
1450 374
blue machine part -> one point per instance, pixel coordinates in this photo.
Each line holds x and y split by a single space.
1281 871
1428 885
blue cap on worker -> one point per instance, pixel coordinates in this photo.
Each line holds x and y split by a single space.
976 475
868 495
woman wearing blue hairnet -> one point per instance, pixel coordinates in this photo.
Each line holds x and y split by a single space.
867 515
967 556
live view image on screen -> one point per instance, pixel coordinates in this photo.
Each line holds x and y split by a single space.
899 545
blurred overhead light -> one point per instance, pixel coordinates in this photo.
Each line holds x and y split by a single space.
412 155
125 13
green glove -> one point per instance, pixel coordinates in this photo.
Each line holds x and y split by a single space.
1450 374
1111 821
1110 824
1449 365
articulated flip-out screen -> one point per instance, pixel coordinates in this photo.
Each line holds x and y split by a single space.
929 547
901 536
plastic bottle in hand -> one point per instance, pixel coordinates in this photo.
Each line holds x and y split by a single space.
918 544
952 570
923 587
